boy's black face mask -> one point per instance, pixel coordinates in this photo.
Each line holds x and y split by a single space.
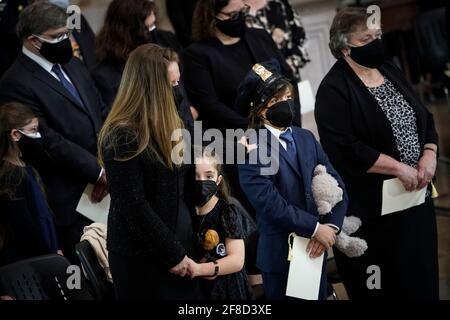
280 114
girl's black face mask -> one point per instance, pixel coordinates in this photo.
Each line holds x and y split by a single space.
204 190
370 55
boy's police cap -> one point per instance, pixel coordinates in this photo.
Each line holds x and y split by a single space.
259 85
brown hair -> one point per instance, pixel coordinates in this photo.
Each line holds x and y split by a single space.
38 18
124 29
144 106
346 21
13 115
204 24
256 121
223 189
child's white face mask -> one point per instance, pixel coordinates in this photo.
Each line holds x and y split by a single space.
35 135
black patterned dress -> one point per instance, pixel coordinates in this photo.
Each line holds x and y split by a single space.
403 121
224 221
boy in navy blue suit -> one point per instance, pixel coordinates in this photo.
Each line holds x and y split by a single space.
283 199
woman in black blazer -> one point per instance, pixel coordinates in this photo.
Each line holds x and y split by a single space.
128 24
224 51
149 226
373 127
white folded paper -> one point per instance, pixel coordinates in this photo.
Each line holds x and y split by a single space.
396 198
304 273
97 212
306 94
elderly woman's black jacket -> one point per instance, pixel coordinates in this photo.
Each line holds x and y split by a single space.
354 131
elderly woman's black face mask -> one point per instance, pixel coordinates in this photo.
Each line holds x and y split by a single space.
370 55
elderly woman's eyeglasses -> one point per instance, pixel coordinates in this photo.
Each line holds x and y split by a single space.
235 15
369 38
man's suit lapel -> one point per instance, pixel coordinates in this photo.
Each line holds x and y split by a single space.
42 75
282 152
73 75
302 157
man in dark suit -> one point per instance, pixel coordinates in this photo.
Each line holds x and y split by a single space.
58 88
280 191
83 40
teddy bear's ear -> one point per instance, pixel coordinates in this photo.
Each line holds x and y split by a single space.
320 169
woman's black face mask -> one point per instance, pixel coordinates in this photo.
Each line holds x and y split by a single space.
370 55
234 27
178 95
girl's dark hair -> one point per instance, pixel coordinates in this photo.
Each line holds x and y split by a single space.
204 24
124 29
223 188
255 121
12 116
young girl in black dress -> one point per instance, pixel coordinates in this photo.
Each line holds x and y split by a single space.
220 236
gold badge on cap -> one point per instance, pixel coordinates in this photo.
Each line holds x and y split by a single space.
262 72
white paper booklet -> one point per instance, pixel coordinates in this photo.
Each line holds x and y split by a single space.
97 212
304 272
396 198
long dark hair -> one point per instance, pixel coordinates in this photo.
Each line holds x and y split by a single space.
204 24
124 29
12 116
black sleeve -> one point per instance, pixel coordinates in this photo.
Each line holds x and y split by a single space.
126 186
231 223
431 135
106 89
334 122
179 21
201 90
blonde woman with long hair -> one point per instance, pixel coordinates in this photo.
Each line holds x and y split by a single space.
149 228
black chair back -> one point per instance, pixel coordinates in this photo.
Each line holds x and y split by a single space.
43 278
102 288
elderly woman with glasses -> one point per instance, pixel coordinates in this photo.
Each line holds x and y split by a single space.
374 128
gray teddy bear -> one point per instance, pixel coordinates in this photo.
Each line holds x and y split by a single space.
327 194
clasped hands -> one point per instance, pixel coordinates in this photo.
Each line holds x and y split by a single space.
188 267
324 239
418 178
